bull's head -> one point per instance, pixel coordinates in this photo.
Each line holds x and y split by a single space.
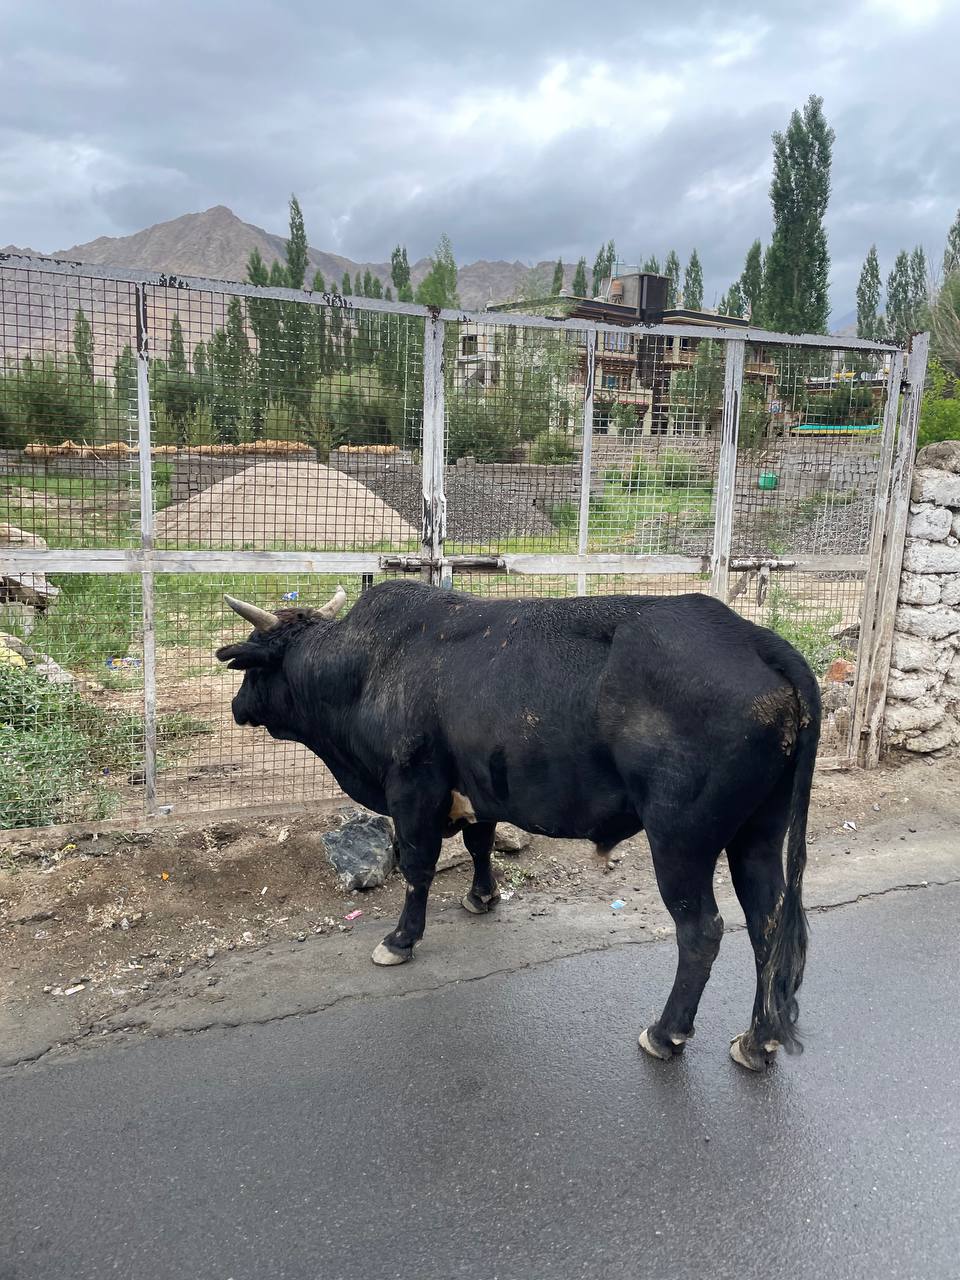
264 698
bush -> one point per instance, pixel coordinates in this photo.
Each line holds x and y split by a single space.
939 420
58 750
480 429
811 636
641 476
551 449
853 405
53 744
679 471
940 412
565 517
46 400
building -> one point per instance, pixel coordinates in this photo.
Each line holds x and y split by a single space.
637 390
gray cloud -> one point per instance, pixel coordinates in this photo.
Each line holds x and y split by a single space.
524 131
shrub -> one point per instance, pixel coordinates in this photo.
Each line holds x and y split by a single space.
679 471
480 429
551 449
58 750
809 636
47 400
641 476
940 412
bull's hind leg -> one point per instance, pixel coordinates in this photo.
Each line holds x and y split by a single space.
484 893
685 878
755 856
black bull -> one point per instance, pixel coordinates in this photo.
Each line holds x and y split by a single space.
583 718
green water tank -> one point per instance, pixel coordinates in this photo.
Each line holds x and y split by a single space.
767 480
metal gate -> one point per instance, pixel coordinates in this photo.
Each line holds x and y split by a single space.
164 440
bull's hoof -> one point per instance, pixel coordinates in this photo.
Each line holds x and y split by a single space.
389 955
479 904
745 1051
652 1042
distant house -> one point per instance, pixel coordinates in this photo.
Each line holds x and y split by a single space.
637 390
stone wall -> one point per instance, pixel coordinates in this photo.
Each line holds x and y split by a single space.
923 698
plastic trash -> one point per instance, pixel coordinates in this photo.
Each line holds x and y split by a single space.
353 915
617 904
290 595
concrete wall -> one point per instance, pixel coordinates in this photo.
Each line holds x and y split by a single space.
923 699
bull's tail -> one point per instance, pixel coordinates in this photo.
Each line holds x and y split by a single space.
783 970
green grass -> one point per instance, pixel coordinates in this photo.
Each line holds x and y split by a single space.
66 526
60 519
809 636
623 517
60 753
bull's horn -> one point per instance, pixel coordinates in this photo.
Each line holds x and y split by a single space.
260 618
334 604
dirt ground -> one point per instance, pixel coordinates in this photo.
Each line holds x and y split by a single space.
108 919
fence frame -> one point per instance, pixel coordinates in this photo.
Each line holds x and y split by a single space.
881 565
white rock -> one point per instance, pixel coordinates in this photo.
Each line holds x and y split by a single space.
907 687
919 588
510 839
941 487
930 522
453 854
52 671
933 622
942 455
950 588
903 716
944 735
931 557
955 524
913 654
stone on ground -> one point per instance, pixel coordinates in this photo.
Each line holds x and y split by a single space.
361 852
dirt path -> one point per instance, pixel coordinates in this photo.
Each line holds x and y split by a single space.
102 924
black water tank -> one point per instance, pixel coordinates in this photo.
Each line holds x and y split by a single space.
653 298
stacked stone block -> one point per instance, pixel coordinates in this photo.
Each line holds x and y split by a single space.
923 697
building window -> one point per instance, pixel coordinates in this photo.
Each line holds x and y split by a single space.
468 345
616 342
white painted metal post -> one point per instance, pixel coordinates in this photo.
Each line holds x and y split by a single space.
147 545
434 441
586 456
727 470
895 533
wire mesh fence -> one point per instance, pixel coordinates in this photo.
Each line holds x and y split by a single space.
163 442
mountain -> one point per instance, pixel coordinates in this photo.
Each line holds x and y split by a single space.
217 244
845 325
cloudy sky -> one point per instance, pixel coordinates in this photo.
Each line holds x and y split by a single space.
525 130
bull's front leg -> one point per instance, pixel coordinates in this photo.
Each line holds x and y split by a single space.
418 824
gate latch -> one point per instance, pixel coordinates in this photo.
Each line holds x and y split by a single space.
760 567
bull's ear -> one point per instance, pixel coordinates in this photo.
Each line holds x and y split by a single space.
245 657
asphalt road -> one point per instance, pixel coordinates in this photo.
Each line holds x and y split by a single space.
508 1127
